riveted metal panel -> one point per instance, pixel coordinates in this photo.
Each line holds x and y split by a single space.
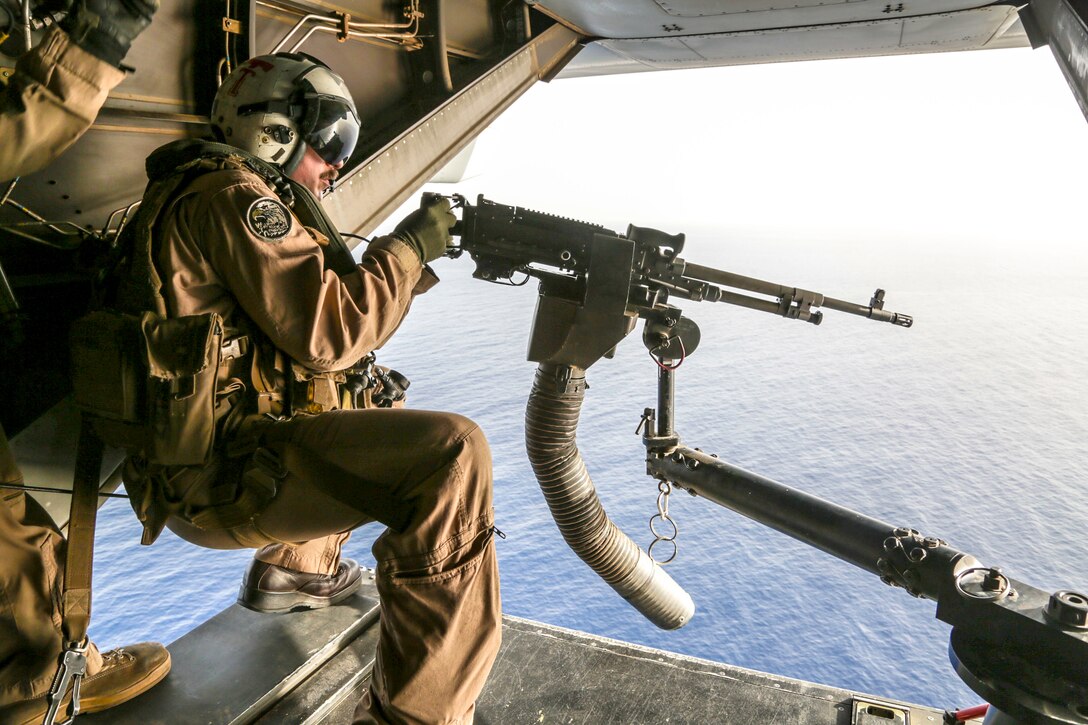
712 8
630 19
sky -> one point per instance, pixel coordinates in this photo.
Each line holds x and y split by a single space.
986 145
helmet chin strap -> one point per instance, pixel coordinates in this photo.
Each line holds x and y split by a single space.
294 159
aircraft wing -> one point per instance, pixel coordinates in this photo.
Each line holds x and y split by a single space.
645 35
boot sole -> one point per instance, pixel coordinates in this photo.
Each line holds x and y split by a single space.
262 601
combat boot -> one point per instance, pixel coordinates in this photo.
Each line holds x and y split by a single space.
271 588
126 672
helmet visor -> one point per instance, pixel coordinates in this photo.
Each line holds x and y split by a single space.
332 128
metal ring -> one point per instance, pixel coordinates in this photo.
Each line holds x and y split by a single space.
662 562
1004 591
659 537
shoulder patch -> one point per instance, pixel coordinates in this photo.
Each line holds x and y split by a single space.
269 219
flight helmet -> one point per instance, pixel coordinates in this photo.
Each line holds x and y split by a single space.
273 106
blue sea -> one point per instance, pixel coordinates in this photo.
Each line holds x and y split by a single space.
970 426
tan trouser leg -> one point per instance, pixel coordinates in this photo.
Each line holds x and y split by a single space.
31 564
437 576
318 556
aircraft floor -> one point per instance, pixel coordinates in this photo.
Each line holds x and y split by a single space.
307 668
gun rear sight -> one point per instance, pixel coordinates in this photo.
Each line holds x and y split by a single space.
508 241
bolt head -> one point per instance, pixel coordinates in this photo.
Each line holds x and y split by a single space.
1068 608
994 581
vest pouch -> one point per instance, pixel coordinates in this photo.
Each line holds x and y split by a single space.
149 382
182 357
108 378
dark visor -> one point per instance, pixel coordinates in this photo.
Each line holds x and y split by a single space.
330 128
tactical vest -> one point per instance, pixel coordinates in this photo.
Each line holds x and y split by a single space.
171 391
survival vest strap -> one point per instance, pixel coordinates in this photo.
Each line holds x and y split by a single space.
165 388
147 381
171 421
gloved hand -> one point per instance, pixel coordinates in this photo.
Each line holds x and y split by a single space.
106 28
41 8
427 229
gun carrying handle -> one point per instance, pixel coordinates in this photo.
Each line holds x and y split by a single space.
656 237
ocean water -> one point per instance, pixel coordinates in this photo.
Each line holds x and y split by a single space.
970 426
837 177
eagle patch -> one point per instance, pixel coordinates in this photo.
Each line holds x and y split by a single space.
269 219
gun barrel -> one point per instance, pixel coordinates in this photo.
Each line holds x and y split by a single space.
730 279
754 303
873 313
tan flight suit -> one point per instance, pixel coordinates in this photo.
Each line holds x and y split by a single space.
31 558
53 97
437 576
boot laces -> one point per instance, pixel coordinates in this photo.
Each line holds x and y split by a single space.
116 657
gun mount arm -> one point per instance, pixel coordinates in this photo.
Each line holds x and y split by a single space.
1024 650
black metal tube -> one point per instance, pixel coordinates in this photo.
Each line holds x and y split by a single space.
868 543
666 396
880 315
439 50
752 303
852 308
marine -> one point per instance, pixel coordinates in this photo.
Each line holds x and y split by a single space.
52 98
295 452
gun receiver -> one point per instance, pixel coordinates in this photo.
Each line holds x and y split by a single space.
506 241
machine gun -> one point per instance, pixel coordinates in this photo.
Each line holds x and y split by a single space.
1023 649
642 266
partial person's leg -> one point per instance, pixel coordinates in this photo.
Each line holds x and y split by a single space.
31 557
306 575
430 475
320 556
31 567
